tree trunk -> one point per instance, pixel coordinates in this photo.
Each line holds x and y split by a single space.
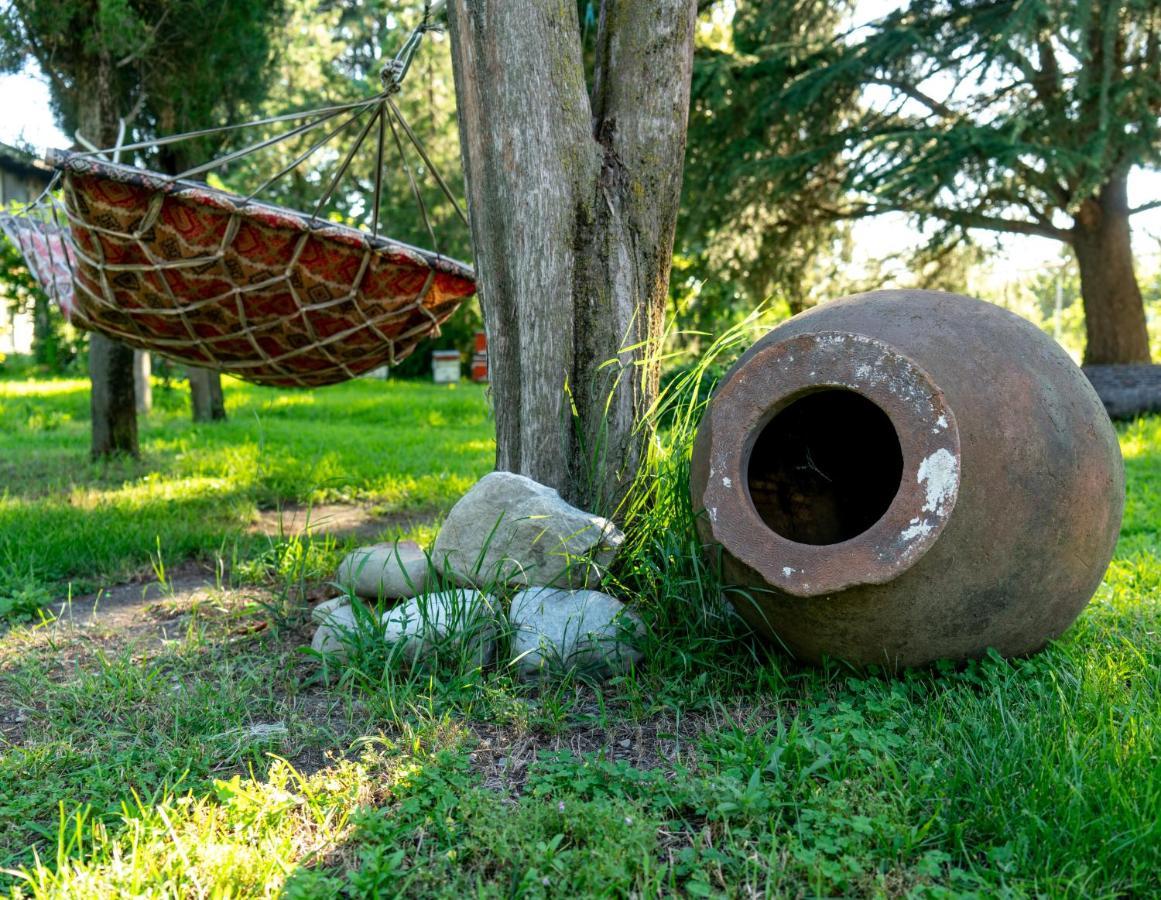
143 389
45 346
112 398
205 395
1114 312
573 202
113 401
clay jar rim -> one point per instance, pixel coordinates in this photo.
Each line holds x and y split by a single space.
766 382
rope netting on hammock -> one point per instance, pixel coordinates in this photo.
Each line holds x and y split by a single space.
218 280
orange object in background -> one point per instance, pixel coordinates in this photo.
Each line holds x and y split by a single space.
480 358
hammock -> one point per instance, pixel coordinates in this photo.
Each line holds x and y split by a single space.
259 291
46 249
221 281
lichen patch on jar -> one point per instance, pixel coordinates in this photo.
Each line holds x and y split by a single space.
939 473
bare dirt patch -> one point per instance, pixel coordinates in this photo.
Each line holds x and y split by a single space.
136 609
340 520
666 740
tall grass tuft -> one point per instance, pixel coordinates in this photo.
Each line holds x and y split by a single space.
662 570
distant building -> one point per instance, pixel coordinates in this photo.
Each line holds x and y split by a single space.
22 178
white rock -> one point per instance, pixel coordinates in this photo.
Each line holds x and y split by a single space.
388 571
511 529
556 630
322 611
460 622
336 622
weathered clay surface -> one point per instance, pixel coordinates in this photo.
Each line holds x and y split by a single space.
387 571
558 630
459 622
509 528
968 496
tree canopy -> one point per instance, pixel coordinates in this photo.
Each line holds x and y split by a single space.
739 236
162 65
1019 116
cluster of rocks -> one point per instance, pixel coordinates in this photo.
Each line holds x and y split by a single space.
507 534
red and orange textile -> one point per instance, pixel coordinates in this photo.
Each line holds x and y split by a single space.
254 290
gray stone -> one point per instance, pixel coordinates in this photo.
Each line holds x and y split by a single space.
388 571
511 529
459 622
320 613
554 631
336 620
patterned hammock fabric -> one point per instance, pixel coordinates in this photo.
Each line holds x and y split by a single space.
255 290
47 252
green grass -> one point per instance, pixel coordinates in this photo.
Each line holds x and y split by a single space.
227 761
398 447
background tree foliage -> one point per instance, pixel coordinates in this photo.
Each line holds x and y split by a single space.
1021 116
740 239
162 65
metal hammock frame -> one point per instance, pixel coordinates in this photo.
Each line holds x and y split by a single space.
226 281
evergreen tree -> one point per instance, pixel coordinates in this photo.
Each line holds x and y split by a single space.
743 240
1018 116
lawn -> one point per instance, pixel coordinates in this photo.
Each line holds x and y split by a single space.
177 740
403 449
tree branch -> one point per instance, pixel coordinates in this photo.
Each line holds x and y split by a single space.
995 223
1152 204
914 93
45 59
962 218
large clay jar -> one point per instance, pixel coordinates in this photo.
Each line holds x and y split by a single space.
905 476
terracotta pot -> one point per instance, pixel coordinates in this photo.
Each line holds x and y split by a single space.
905 476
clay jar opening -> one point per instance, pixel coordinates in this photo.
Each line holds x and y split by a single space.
825 468
833 461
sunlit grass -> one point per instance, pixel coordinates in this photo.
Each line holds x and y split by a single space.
717 768
43 388
397 446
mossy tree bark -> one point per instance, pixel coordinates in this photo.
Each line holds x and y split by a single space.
573 194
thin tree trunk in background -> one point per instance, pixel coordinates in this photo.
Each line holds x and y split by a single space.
573 202
1114 312
113 398
205 395
205 385
113 402
143 389
45 349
